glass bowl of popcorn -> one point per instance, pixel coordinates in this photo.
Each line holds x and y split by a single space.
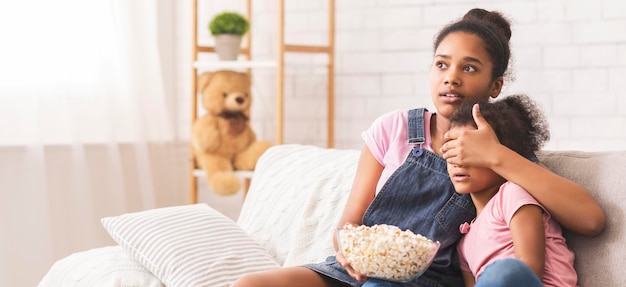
386 252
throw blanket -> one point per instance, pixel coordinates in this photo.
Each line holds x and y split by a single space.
300 213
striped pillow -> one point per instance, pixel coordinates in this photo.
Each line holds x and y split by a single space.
188 245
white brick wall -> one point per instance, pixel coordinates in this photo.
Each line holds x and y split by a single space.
568 55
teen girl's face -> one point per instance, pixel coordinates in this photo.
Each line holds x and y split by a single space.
467 179
461 69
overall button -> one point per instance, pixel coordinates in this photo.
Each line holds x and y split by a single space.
417 151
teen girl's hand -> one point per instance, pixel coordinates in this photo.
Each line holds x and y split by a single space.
343 262
467 147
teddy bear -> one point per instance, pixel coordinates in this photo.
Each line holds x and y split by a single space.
222 139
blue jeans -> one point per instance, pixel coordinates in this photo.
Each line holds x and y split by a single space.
508 272
377 283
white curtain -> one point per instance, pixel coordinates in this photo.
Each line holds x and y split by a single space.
85 127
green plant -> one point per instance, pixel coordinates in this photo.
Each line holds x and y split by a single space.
229 23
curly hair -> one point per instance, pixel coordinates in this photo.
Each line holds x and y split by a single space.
517 121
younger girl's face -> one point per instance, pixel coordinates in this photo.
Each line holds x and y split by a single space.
461 69
467 179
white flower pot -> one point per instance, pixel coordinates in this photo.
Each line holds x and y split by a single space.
227 46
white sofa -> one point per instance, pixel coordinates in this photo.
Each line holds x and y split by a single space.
297 195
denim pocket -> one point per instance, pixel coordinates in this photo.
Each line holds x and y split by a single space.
457 210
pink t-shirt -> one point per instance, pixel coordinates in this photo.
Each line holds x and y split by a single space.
489 238
387 139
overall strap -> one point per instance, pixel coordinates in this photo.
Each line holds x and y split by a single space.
415 130
416 126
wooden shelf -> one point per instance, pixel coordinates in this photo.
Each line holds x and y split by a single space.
248 64
210 65
243 174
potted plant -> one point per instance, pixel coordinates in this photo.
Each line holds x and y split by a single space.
228 29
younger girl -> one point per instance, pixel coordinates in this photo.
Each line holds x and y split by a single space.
509 222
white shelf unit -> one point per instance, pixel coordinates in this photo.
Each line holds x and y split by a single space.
249 64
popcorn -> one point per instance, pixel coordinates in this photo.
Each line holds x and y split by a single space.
386 252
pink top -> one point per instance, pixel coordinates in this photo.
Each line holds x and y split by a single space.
387 139
489 238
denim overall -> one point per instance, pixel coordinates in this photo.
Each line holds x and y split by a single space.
418 196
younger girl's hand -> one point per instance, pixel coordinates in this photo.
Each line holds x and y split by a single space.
471 147
343 262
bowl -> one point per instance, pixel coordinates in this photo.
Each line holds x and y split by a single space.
386 252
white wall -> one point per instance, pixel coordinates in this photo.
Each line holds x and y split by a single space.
568 55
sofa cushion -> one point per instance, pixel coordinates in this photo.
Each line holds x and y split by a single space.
598 259
103 266
188 245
